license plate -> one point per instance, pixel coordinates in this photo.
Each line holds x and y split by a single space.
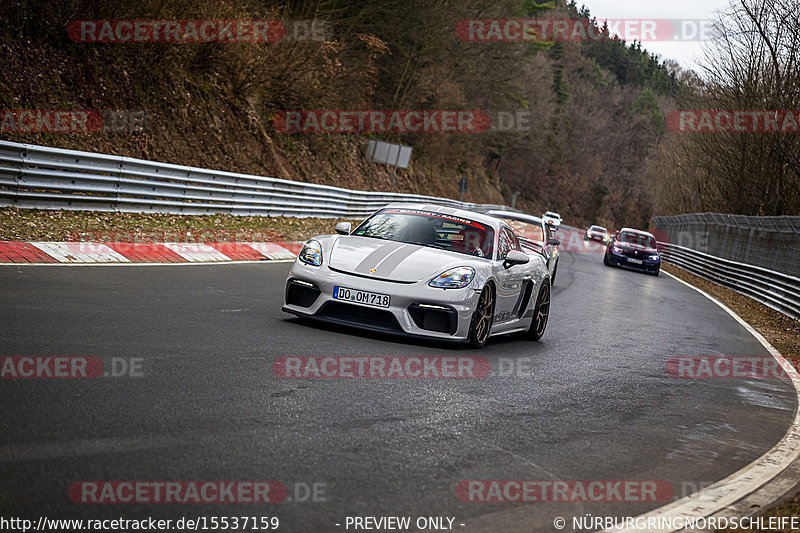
634 261
361 297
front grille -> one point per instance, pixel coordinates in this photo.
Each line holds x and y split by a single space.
301 295
635 254
359 315
441 320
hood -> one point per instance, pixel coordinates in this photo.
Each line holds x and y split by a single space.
391 260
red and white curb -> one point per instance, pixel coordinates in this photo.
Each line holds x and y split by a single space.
124 252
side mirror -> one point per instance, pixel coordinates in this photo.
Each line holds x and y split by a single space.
343 228
554 242
515 257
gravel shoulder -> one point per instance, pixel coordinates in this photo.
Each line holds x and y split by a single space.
85 226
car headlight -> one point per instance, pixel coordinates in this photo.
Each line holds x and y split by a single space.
655 257
616 250
311 254
455 278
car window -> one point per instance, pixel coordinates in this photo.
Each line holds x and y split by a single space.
426 228
514 241
503 245
508 241
526 230
637 238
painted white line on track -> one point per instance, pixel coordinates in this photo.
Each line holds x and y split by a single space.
132 264
271 250
196 252
717 497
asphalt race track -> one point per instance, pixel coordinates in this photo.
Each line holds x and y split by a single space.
595 403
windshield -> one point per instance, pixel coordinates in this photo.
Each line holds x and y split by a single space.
598 228
637 238
430 229
526 230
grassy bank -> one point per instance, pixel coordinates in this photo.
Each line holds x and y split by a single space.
34 225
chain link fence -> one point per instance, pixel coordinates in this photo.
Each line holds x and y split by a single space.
772 243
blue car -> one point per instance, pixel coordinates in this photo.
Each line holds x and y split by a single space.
634 249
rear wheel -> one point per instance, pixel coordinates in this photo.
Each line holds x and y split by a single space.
482 318
540 313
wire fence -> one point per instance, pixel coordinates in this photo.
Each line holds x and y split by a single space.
772 243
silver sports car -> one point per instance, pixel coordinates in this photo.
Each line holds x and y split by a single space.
423 270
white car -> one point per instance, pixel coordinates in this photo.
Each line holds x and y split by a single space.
534 236
552 219
423 270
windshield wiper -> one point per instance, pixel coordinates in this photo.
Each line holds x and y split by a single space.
429 245
373 236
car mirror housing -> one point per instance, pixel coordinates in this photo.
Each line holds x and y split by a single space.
515 257
554 242
343 228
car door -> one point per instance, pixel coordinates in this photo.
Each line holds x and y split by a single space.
510 281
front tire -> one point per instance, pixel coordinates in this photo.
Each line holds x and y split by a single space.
541 313
606 261
482 318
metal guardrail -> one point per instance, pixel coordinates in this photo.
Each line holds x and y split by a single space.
773 289
39 177
771 242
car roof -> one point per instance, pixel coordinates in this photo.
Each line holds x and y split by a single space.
523 217
639 231
442 210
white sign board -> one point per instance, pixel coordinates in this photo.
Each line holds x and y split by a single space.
397 155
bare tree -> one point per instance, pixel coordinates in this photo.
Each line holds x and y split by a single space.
752 66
